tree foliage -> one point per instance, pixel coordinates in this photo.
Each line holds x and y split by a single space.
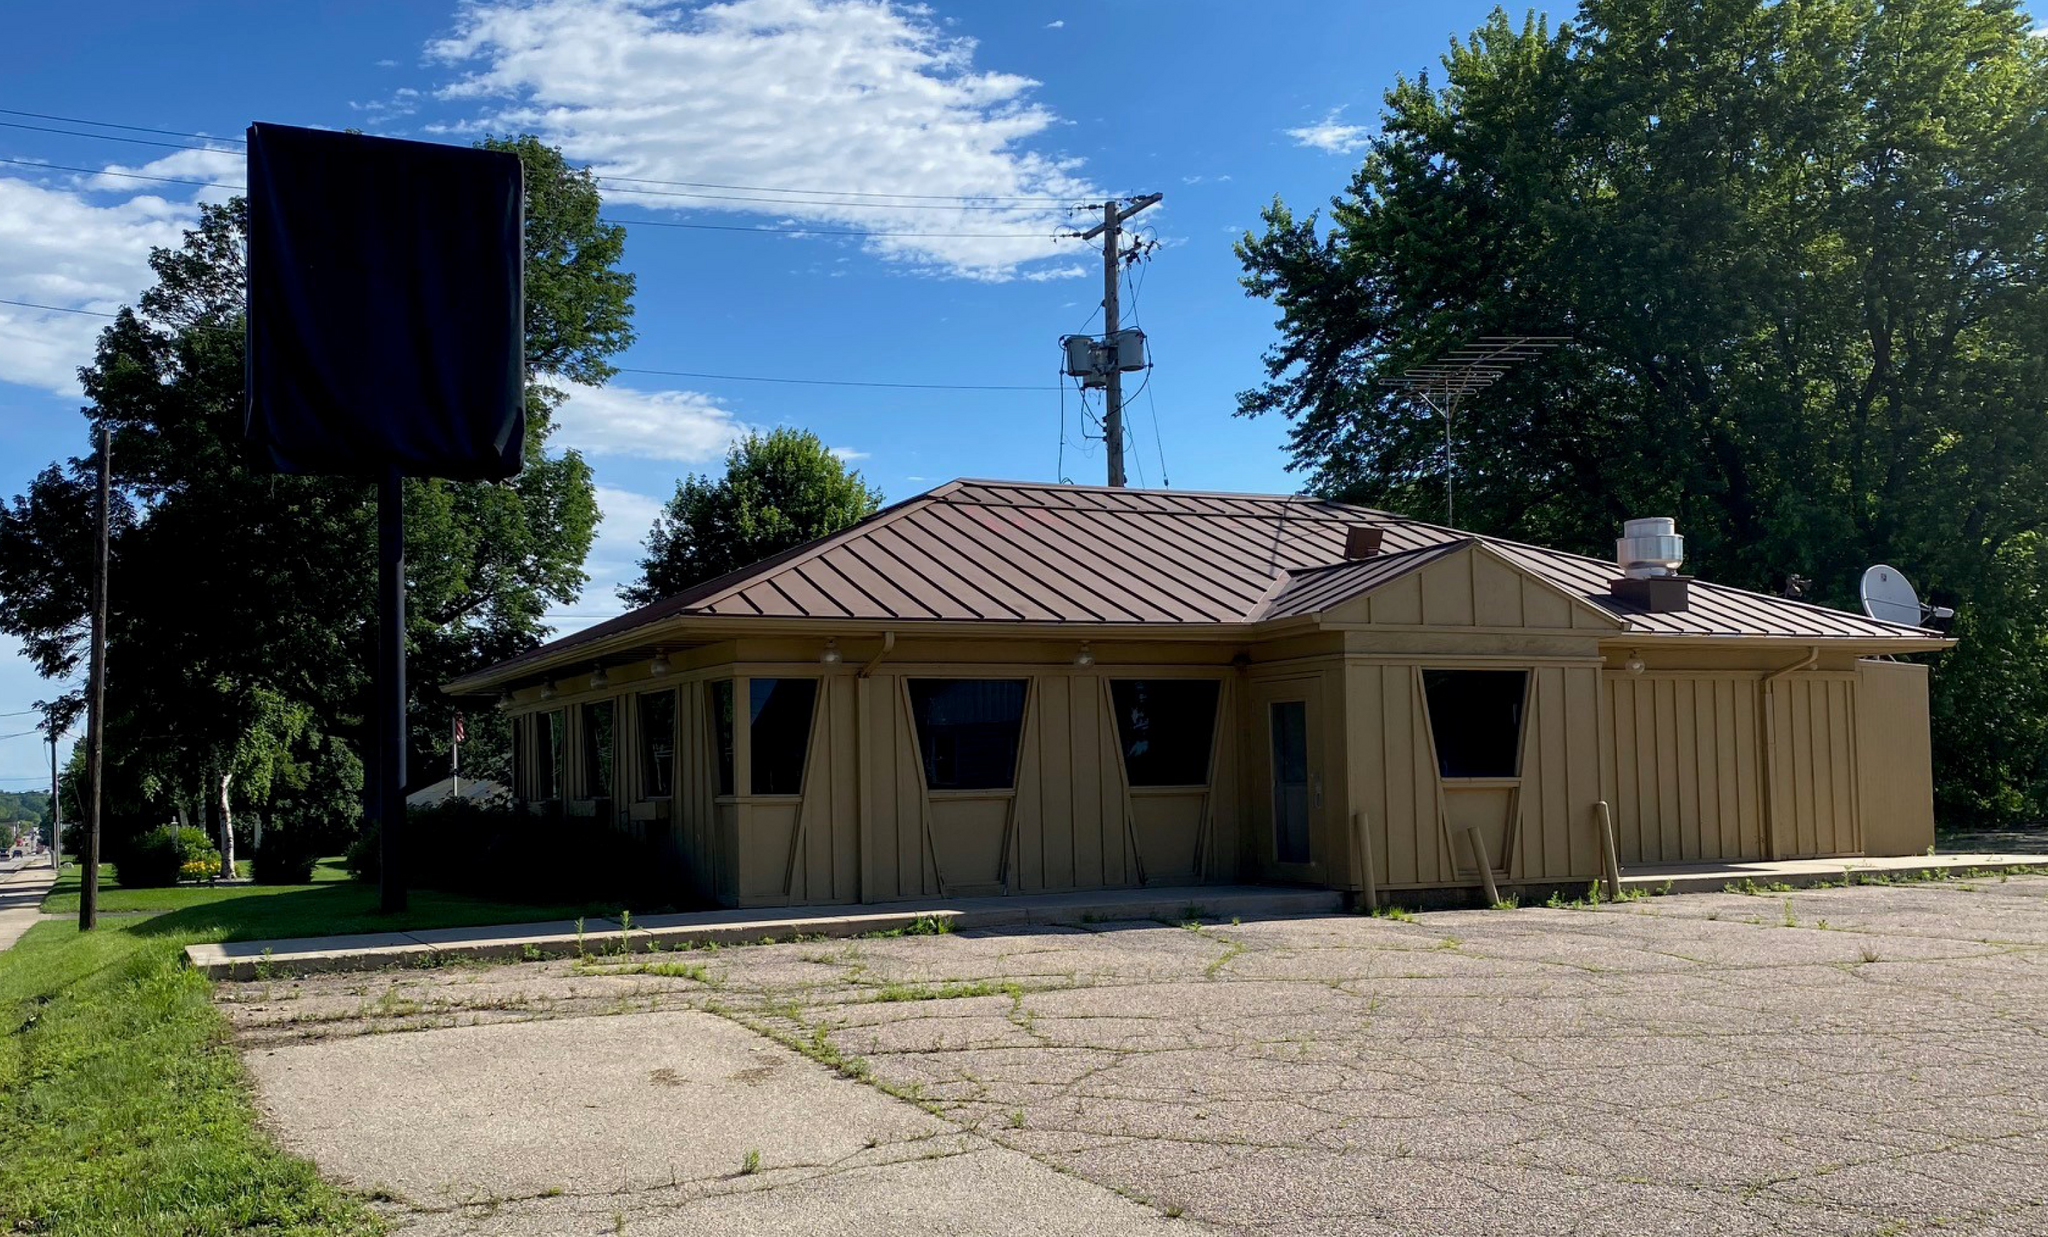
1797 246
780 489
242 604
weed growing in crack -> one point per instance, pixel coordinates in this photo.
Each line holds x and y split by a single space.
750 1163
1016 1118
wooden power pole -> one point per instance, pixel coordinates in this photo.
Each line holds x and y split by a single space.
95 708
1110 229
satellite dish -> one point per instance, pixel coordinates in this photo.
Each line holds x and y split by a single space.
1889 597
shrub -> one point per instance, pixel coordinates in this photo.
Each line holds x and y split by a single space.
164 854
283 859
492 851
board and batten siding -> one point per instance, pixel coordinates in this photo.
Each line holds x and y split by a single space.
1893 758
1400 800
1683 775
1812 757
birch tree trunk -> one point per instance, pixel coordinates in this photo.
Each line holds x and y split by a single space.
227 829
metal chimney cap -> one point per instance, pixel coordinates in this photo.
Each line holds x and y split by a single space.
1649 548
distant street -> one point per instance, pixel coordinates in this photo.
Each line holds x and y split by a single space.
23 885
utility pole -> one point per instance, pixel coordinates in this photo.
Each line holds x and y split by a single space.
1110 229
96 708
56 801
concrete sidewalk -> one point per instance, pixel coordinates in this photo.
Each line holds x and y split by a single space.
534 941
1713 877
21 898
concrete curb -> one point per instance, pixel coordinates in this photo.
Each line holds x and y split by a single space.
1807 873
536 942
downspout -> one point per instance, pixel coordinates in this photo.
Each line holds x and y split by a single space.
863 807
1770 733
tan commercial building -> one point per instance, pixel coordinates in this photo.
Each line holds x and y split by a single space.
1002 687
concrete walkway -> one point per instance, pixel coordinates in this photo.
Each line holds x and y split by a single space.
21 898
1804 873
535 941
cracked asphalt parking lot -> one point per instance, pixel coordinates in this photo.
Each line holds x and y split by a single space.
1869 1060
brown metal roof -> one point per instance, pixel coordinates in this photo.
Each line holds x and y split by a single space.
1023 552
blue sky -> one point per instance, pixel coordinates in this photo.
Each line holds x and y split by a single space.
850 116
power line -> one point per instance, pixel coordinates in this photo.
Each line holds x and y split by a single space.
109 137
165 180
962 204
670 373
835 382
740 227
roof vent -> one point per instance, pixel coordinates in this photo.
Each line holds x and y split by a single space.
1363 540
1649 548
1649 553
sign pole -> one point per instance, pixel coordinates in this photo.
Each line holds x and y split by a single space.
390 690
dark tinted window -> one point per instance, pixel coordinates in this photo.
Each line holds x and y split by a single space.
522 757
600 748
1165 727
1475 716
967 731
721 731
657 743
780 733
549 767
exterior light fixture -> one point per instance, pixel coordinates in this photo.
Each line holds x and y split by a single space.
504 698
1086 657
660 664
830 656
547 691
1634 664
598 678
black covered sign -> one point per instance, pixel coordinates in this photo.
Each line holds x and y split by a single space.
386 307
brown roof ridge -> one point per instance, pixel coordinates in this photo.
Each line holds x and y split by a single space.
1296 500
1381 557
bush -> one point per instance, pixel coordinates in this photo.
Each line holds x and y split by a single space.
283 859
495 852
158 858
364 857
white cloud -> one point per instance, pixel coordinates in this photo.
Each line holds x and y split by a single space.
59 247
686 426
615 552
1331 135
864 100
848 455
1059 24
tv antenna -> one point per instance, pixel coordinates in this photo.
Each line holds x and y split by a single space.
1889 598
1445 380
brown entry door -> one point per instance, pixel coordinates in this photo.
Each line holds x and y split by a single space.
1289 756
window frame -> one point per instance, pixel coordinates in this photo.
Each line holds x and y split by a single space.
551 741
592 757
1208 750
642 732
917 733
724 731
803 755
1515 744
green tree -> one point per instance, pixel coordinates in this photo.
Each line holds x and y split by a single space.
242 603
780 489
1795 245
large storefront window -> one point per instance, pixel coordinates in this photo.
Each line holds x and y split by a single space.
1475 716
779 733
1165 728
657 722
967 731
600 748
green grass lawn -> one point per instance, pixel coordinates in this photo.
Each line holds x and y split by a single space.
124 1111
